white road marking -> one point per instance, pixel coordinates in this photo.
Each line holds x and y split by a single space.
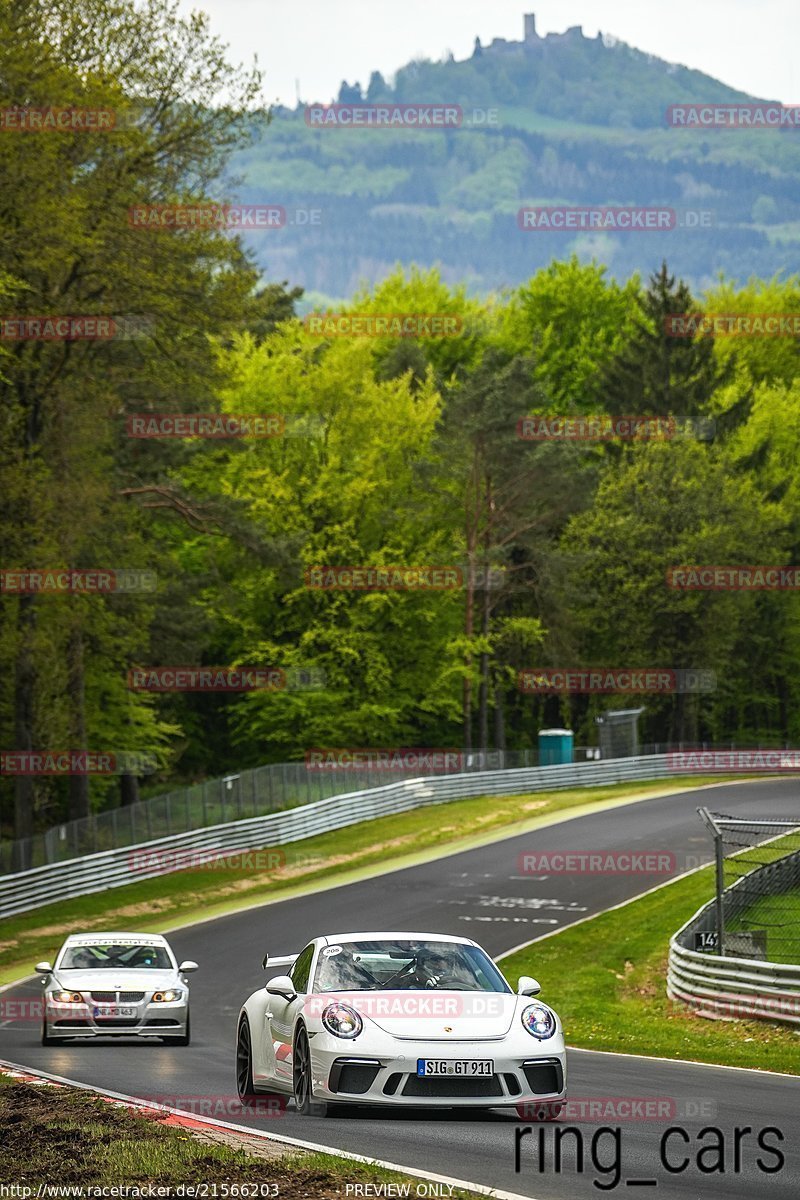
516 920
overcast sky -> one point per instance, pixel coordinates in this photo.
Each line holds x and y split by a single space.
314 44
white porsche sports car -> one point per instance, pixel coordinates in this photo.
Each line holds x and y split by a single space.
411 1019
116 985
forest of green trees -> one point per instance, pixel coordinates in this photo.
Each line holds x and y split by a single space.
396 451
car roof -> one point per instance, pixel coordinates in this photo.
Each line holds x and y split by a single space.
92 939
403 936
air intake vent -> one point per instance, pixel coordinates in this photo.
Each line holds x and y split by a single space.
353 1077
441 1089
544 1078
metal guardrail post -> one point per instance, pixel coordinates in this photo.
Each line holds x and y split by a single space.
719 852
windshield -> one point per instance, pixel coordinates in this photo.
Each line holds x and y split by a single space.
390 966
117 956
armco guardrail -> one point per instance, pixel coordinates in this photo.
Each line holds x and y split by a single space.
251 792
723 986
114 868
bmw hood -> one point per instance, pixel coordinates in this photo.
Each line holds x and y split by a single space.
436 1015
105 980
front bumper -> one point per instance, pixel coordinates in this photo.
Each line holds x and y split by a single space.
149 1020
347 1074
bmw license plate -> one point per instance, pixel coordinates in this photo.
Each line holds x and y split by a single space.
113 1010
469 1067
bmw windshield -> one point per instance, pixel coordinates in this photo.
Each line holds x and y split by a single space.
115 956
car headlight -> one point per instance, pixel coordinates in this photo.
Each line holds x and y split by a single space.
67 997
168 996
539 1021
342 1021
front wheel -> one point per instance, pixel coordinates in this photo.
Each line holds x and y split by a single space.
301 1078
183 1039
46 1039
244 1062
547 1110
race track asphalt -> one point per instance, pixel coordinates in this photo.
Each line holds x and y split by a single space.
482 894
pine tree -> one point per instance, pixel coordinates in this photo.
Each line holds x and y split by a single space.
655 373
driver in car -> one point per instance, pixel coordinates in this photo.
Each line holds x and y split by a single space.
436 969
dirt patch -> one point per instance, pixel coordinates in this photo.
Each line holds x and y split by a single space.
57 1135
257 1147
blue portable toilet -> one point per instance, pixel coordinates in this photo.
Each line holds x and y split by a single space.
555 746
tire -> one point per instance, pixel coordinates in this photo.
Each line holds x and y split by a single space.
304 1100
46 1039
184 1039
547 1110
552 1111
244 1061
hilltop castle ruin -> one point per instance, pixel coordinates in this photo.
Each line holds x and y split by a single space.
531 40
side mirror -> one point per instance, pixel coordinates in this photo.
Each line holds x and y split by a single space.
528 986
189 965
281 985
43 968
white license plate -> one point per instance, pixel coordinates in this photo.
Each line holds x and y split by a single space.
111 1010
471 1067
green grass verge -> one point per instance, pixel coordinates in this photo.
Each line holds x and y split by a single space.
155 905
60 1136
606 978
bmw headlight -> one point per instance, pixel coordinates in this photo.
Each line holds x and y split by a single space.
342 1021
539 1021
168 996
67 997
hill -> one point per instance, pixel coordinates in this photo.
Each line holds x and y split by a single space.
556 120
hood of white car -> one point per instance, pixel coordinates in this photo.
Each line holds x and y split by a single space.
106 980
433 1014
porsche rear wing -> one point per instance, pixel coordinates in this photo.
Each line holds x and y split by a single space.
277 960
